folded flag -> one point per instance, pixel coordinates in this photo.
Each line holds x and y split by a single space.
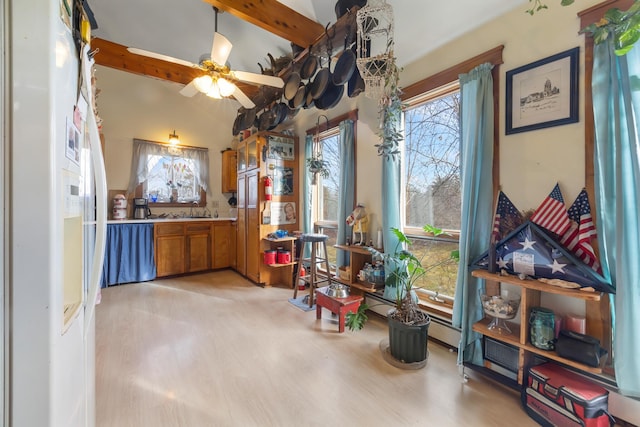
551 214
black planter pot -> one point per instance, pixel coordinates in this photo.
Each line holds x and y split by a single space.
408 343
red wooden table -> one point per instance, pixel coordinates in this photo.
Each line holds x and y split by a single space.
339 306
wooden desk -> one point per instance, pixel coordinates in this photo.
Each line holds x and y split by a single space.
339 306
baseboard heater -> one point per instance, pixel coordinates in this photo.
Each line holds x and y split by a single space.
440 328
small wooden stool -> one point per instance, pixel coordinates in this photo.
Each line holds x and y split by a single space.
339 306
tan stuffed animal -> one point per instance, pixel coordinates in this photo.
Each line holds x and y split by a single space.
359 220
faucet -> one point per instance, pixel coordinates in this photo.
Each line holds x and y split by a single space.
191 209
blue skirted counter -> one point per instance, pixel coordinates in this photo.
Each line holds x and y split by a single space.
129 255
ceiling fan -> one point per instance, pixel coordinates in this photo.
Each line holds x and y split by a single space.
217 80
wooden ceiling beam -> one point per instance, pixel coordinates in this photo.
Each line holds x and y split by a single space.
273 17
117 56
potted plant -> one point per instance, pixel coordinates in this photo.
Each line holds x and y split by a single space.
390 116
317 166
408 324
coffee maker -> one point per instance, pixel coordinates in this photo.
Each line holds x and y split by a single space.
141 208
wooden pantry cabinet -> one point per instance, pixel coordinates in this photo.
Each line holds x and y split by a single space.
260 155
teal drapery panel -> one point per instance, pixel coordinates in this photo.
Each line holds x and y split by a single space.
307 226
476 166
390 212
616 108
346 196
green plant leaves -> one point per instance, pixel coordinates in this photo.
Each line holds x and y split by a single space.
355 321
623 26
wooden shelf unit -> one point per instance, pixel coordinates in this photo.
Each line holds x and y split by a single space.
530 297
360 255
279 273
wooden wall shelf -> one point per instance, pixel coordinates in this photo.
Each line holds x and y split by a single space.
531 293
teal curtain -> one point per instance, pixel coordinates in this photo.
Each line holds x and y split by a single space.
476 170
307 226
346 201
390 211
616 108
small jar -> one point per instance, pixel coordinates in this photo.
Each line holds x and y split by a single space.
542 328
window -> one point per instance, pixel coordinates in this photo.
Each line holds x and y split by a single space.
171 178
432 193
167 175
431 185
324 196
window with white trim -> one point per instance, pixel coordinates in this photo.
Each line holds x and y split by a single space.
432 186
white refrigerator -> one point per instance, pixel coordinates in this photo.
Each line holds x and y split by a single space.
56 222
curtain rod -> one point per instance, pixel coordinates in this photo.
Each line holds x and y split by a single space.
166 144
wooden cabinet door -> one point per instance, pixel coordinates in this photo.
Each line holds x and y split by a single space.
232 244
197 252
229 171
221 246
169 255
198 242
241 229
253 227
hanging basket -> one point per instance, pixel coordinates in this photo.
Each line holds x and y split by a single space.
375 46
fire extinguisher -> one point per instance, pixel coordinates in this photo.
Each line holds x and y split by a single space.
268 188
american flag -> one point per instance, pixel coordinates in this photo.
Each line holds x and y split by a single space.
551 214
578 238
505 211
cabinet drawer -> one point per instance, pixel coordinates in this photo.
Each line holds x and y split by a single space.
169 229
201 227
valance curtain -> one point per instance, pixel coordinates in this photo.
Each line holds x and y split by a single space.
616 110
476 170
346 201
143 149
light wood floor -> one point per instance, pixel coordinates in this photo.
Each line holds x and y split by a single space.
216 350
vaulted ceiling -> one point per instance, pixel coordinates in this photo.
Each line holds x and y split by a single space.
184 29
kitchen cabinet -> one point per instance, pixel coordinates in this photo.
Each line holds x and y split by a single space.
255 163
221 247
530 297
190 246
169 249
229 171
198 246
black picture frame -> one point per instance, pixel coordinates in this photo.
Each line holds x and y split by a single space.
556 101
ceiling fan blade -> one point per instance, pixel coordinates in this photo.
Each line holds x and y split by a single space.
220 49
143 52
189 90
243 99
260 79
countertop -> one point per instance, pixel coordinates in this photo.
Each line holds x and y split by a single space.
153 221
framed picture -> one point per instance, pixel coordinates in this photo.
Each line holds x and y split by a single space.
543 94
282 181
281 148
283 213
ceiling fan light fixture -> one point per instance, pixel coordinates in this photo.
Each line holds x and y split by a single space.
203 83
226 87
214 91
